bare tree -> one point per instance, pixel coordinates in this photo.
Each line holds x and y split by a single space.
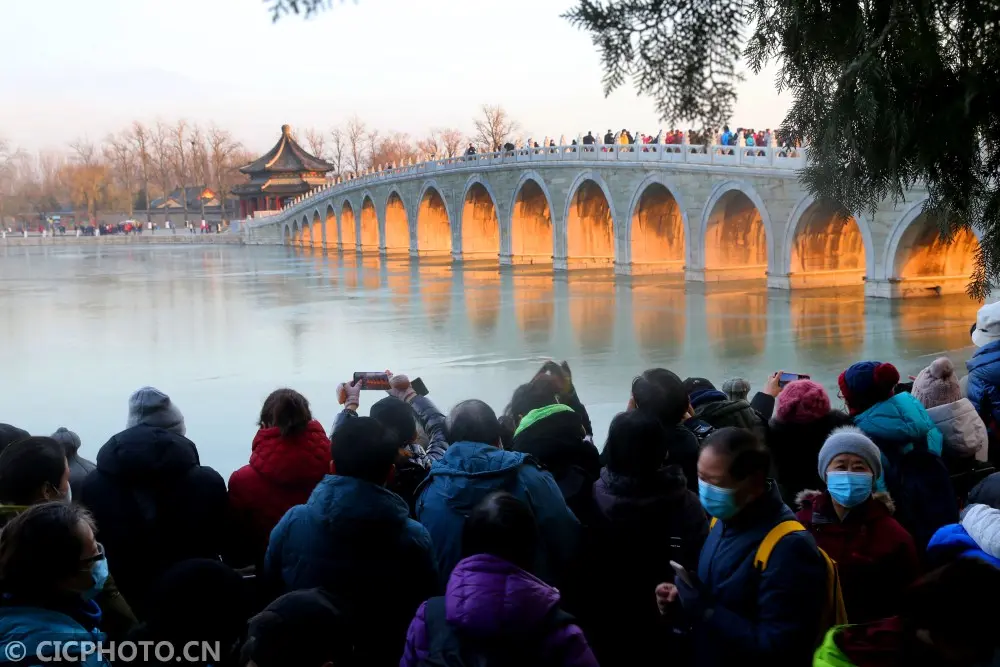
199 165
223 156
394 149
9 158
161 157
430 145
452 141
338 148
316 141
87 176
354 136
140 140
179 154
119 151
371 143
494 128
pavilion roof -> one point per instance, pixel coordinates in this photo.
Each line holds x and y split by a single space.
287 156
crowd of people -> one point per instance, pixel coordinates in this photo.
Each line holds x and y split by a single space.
713 529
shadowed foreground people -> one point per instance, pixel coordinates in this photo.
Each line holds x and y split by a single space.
876 558
35 471
301 629
154 503
9 434
645 517
79 467
739 614
931 629
51 569
660 393
474 467
963 430
289 456
718 410
355 539
494 610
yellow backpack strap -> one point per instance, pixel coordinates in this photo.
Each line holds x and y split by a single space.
711 524
771 540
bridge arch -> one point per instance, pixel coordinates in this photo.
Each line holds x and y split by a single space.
434 234
591 227
917 255
331 237
736 234
822 249
295 232
657 228
479 226
286 235
305 232
369 223
396 234
348 226
316 231
530 236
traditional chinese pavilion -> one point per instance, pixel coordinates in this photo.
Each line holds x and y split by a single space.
282 173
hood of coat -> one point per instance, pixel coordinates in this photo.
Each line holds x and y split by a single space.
146 452
339 500
900 420
982 523
985 363
303 458
555 439
469 471
820 505
487 596
961 426
618 496
717 410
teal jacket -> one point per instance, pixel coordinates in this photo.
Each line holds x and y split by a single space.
31 626
897 425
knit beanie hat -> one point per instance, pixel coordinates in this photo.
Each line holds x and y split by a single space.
151 407
866 383
69 440
737 389
849 440
801 402
937 385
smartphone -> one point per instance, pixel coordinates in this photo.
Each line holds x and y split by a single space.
419 386
681 572
785 378
373 381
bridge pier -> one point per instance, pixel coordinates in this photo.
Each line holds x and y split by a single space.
814 279
894 288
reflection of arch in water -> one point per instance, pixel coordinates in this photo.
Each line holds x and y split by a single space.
348 229
735 234
658 317
736 322
433 223
482 299
330 228
592 313
928 326
531 235
656 229
824 248
534 306
361 271
828 325
435 292
397 227
590 227
399 281
480 229
920 259
369 224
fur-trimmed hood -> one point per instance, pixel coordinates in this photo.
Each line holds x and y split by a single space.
810 498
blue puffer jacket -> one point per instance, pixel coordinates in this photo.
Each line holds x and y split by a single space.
751 618
896 425
468 472
33 625
953 541
984 380
356 540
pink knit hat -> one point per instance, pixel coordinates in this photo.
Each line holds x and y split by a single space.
801 402
937 385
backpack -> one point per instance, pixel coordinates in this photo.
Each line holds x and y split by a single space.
448 647
834 611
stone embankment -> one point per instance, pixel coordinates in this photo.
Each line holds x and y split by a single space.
16 240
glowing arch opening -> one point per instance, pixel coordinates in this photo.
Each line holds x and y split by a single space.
317 231
433 226
828 249
657 232
480 230
926 262
531 226
735 240
348 233
589 228
330 226
397 229
369 225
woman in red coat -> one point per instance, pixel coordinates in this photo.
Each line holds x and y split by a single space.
290 455
875 556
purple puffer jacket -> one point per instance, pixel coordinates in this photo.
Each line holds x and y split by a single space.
489 597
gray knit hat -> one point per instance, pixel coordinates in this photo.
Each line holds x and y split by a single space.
849 440
151 407
69 440
737 389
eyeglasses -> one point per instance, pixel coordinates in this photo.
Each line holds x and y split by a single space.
93 559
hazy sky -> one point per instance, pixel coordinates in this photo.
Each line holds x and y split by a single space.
75 67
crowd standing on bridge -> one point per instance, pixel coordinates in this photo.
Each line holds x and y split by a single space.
710 531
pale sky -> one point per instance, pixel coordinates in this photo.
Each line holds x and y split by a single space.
85 68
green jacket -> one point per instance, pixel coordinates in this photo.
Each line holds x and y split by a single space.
829 654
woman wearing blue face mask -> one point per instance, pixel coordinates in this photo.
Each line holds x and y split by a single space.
875 556
51 569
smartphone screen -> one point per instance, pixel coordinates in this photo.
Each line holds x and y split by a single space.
373 381
682 573
785 378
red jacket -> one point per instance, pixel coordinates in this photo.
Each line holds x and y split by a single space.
282 473
875 556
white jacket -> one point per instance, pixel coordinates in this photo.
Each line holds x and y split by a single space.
963 429
982 523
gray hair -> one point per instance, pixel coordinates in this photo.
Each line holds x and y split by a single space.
473 421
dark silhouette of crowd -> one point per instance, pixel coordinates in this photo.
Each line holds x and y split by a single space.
714 528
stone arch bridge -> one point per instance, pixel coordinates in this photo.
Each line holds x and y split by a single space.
709 214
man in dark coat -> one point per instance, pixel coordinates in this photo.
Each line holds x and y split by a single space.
154 503
355 539
714 407
79 467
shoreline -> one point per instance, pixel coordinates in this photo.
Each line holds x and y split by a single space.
15 241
